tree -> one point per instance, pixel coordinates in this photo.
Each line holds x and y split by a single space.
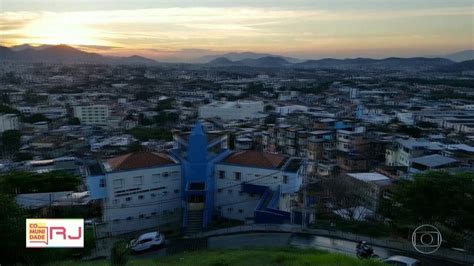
34 118
11 140
145 134
411 131
269 108
23 156
231 140
165 104
119 253
271 119
74 121
165 117
346 194
13 226
437 197
26 182
8 110
12 229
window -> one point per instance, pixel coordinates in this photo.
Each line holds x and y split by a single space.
165 193
118 183
128 198
237 176
285 179
176 191
153 195
241 211
116 201
229 191
141 216
229 209
141 197
144 240
219 190
221 174
275 177
156 178
102 182
166 174
153 213
137 180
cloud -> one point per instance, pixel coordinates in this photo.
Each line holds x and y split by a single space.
98 47
171 31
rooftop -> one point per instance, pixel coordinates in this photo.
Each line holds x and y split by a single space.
433 160
138 160
256 159
369 177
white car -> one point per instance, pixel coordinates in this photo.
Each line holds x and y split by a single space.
402 261
147 241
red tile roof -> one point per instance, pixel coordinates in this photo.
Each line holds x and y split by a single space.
138 160
257 159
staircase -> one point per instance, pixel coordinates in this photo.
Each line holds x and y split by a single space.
266 200
194 221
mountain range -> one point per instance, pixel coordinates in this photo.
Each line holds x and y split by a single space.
65 54
242 56
68 54
460 56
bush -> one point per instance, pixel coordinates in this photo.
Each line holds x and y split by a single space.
119 253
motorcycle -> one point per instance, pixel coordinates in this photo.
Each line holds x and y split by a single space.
366 252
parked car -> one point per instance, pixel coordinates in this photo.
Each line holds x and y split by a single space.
402 261
147 241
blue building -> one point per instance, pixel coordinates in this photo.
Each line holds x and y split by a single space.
198 180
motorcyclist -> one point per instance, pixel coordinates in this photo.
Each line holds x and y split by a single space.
363 249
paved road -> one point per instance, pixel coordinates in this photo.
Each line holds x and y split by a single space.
303 241
348 248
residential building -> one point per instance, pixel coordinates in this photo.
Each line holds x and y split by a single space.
137 186
9 122
97 114
239 110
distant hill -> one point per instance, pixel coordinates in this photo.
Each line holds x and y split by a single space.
268 61
243 56
29 46
64 54
460 56
394 63
467 65
221 61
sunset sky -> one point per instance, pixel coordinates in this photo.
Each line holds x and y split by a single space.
187 29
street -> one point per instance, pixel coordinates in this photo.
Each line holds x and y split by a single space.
237 241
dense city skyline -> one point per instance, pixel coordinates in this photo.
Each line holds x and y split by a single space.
185 30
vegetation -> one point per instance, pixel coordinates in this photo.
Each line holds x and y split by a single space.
13 222
26 182
11 140
145 134
165 117
119 253
251 257
271 119
34 118
437 197
411 131
5 109
165 104
74 121
448 82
